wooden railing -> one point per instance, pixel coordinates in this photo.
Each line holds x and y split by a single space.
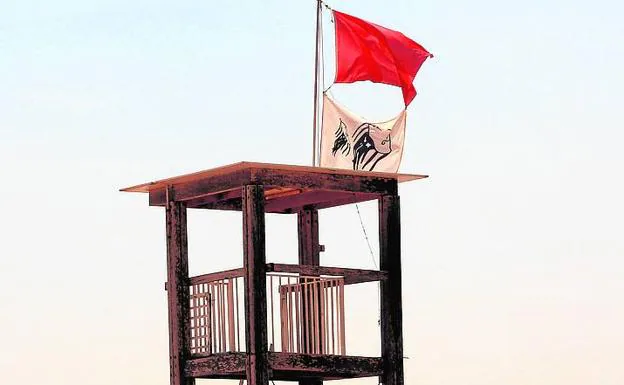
305 309
216 310
311 313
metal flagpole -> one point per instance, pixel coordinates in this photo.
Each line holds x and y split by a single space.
316 79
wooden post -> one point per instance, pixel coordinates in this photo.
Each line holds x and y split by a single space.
307 226
255 285
177 290
390 290
309 254
308 236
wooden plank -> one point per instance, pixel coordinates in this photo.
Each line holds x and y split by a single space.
355 198
178 296
202 187
210 277
286 366
351 276
325 181
229 169
218 365
296 202
309 255
255 285
290 366
390 290
231 320
308 237
213 198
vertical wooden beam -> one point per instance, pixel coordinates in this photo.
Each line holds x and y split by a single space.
177 290
390 290
308 236
308 231
309 254
255 285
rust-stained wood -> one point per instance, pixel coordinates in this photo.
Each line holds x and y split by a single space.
291 366
390 290
231 321
255 285
309 254
286 366
210 277
228 205
202 187
351 276
207 200
178 296
308 237
210 187
305 199
218 365
293 201
271 167
354 182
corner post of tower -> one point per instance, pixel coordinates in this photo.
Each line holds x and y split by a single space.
254 251
177 289
391 317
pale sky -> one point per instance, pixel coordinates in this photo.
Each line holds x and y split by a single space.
512 250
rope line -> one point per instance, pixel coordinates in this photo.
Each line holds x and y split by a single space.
370 249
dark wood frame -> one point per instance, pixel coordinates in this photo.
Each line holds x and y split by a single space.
177 290
390 290
256 189
255 286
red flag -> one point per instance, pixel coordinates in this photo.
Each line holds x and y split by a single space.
366 51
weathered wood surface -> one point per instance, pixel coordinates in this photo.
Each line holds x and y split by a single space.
291 366
271 167
211 277
308 237
219 365
309 254
212 199
178 291
325 181
255 285
351 276
202 187
286 366
390 290
217 191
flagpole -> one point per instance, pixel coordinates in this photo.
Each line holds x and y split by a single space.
316 80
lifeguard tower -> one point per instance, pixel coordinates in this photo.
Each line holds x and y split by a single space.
268 321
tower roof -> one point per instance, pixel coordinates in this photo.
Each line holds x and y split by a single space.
288 188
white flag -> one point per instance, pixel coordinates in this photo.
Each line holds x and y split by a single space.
351 142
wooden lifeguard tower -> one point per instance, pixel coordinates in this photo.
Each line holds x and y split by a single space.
268 321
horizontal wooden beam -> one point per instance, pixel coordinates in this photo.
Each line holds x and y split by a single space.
351 276
213 198
199 188
211 277
292 366
337 182
218 365
285 366
308 198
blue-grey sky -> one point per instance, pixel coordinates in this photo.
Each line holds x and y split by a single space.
513 249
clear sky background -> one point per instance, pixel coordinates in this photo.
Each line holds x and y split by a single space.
513 249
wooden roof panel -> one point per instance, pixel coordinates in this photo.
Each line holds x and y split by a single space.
288 188
267 168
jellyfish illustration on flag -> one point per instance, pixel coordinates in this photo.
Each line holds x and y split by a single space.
350 141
